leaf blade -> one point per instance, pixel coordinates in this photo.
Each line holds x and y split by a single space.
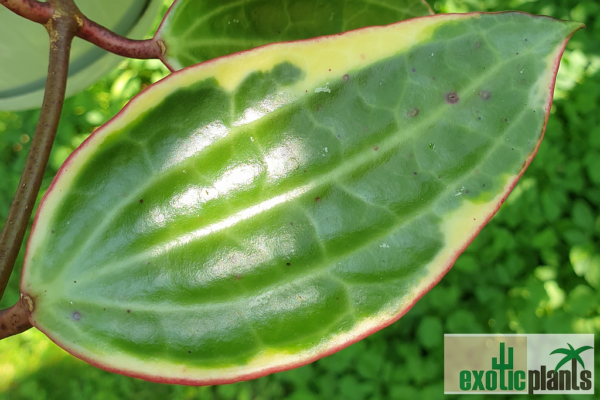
192 209
236 26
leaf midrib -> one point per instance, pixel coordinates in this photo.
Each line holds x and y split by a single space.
330 260
395 139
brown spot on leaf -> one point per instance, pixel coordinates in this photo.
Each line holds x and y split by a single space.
141 201
128 311
288 264
346 78
76 315
452 98
376 148
484 95
317 199
413 112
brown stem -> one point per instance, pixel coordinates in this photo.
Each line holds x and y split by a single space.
89 30
63 21
15 320
61 29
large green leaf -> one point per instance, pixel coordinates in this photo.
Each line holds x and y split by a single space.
24 50
200 30
260 211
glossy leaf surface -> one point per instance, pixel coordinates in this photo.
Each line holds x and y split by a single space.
196 31
260 211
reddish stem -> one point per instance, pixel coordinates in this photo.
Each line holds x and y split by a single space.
63 21
89 30
61 29
117 44
31 9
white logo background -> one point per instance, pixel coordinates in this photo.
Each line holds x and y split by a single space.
539 348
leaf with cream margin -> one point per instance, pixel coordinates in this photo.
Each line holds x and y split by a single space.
196 31
259 211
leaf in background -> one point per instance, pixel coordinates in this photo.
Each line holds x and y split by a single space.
24 50
196 31
261 211
586 263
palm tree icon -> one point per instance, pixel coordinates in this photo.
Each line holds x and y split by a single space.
570 354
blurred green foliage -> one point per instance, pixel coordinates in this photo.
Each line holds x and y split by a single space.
534 269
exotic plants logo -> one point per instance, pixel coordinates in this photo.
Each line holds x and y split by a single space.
519 364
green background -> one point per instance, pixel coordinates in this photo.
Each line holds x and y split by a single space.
534 269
